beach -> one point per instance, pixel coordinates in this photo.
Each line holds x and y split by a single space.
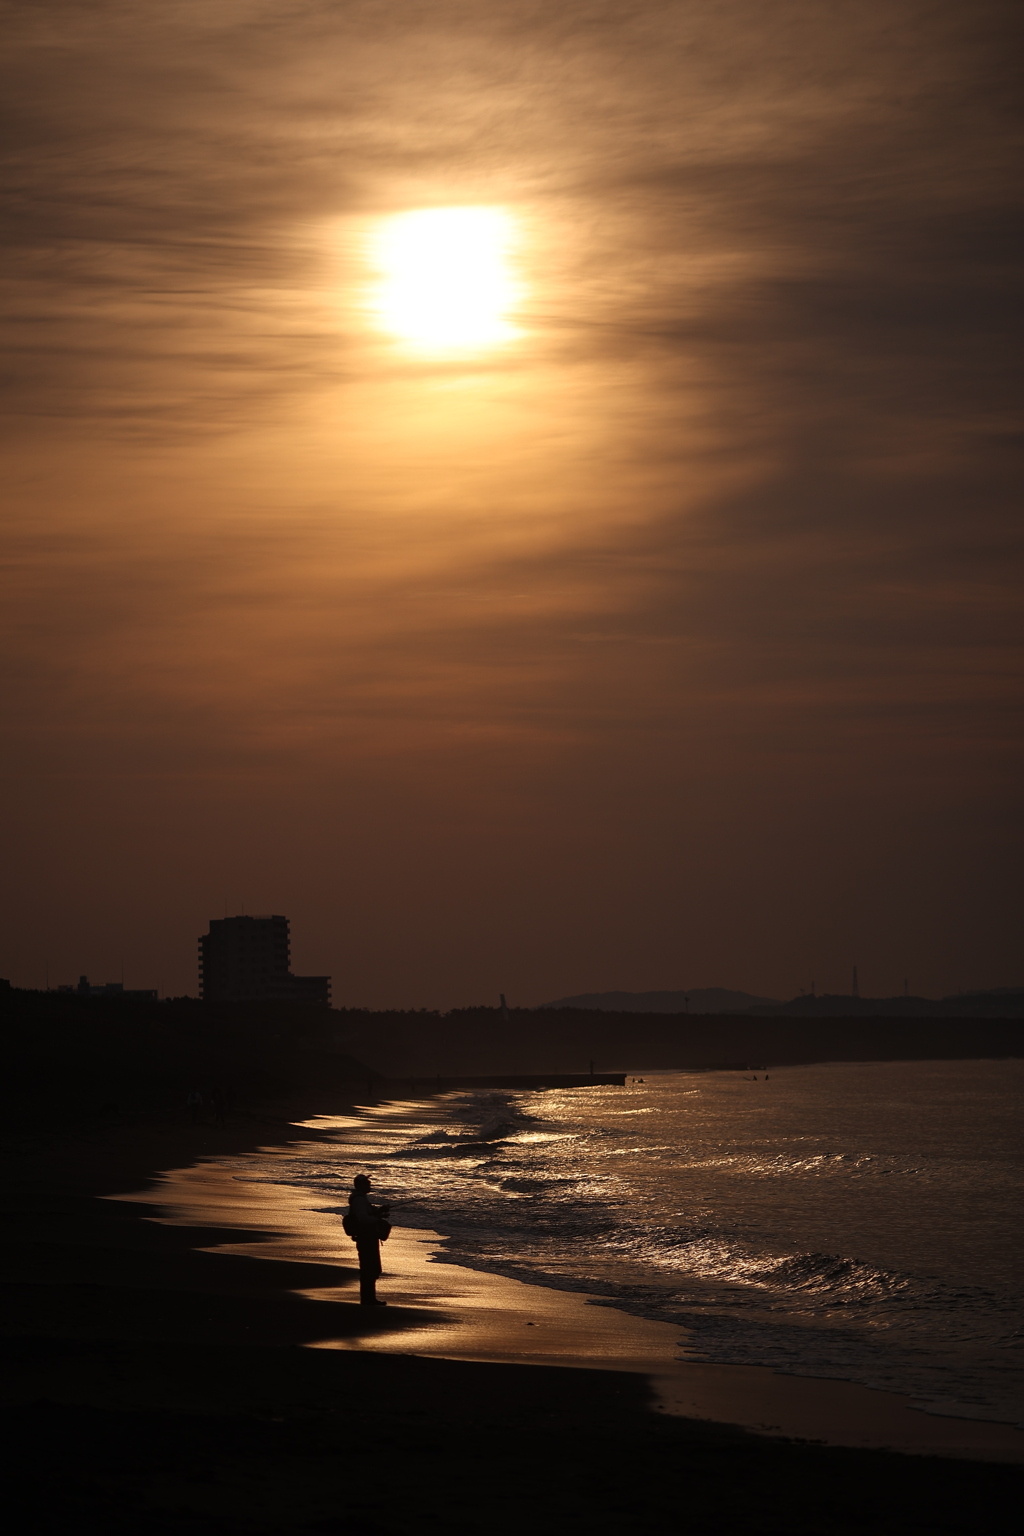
195 1353
446 1311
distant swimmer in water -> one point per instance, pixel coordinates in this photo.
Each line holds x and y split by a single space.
368 1226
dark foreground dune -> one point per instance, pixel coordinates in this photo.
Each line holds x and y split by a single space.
152 1388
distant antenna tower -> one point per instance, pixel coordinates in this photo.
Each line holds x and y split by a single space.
856 988
504 1005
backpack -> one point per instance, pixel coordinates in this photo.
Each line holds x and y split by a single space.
348 1227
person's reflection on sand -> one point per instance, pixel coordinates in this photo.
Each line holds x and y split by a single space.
367 1226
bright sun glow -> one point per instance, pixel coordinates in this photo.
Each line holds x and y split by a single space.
446 281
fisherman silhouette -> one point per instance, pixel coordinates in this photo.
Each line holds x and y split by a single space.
367 1225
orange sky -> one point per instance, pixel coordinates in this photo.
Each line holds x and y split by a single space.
672 641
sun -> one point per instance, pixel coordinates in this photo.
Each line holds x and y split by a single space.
445 277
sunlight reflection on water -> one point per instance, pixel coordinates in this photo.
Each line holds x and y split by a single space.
850 1220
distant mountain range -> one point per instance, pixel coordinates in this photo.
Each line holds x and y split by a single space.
996 1003
700 1000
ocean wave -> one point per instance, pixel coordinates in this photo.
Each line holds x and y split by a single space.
797 1231
781 1165
832 1277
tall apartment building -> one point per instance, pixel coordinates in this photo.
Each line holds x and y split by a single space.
247 960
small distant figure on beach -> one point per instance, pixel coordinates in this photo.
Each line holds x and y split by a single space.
195 1105
368 1226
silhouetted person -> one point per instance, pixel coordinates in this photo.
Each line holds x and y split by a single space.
195 1105
368 1223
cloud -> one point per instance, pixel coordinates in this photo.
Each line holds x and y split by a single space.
733 537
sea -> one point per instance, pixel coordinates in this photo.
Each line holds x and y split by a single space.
857 1221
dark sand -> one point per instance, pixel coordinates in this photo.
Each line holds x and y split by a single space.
155 1386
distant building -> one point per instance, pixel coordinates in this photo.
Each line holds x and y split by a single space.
247 959
111 989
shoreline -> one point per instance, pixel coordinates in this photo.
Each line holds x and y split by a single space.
441 1309
203 1380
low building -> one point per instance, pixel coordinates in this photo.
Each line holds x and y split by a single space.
248 959
112 989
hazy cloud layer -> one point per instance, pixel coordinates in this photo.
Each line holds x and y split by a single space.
680 642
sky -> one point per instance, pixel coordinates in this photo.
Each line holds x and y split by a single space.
665 635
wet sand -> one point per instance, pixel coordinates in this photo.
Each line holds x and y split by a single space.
446 1311
184 1356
